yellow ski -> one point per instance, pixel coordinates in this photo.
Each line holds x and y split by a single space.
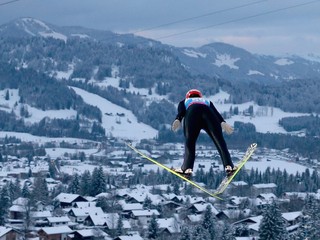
227 180
173 172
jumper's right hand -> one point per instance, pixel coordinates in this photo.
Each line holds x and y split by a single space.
175 125
227 128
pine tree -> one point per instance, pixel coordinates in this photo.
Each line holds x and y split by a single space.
208 222
14 190
25 191
85 181
310 224
40 191
4 204
200 233
119 229
74 186
98 181
185 234
227 233
176 188
147 202
153 228
272 226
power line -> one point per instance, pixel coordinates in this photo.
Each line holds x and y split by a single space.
239 19
6 3
200 16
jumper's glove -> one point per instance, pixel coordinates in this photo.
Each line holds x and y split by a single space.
175 125
227 128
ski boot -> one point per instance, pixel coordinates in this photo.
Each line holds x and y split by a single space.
186 173
230 171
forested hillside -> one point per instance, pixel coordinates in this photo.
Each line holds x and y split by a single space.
44 68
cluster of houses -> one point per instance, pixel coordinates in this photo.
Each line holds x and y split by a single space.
79 217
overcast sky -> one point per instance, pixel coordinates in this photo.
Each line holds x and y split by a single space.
273 27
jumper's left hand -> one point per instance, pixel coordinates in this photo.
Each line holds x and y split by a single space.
175 125
227 128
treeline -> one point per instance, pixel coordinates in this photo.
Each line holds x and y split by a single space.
52 127
245 134
43 92
309 124
297 95
299 182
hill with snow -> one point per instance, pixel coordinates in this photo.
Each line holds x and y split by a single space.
122 123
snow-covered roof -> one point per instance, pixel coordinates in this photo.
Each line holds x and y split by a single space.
17 208
58 219
140 213
290 216
134 237
57 230
21 201
195 217
4 230
86 211
267 196
265 185
131 206
109 219
40 214
67 197
169 223
201 207
239 183
84 204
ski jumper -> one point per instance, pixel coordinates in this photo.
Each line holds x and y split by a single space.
198 114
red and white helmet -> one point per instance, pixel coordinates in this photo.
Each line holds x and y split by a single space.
193 93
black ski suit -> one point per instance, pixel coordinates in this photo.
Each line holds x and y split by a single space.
198 114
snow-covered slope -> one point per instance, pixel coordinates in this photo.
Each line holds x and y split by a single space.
118 121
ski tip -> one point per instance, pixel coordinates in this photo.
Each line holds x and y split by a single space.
254 145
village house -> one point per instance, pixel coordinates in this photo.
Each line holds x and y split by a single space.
18 208
172 197
7 233
170 205
39 217
168 226
193 218
78 215
108 221
67 199
58 221
238 188
144 216
90 234
129 237
128 207
291 222
263 188
199 208
54 233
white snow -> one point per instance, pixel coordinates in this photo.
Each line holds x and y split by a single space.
194 54
266 119
118 121
283 62
54 35
80 35
48 32
254 72
226 60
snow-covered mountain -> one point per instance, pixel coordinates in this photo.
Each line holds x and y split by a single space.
118 119
236 64
217 59
30 27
